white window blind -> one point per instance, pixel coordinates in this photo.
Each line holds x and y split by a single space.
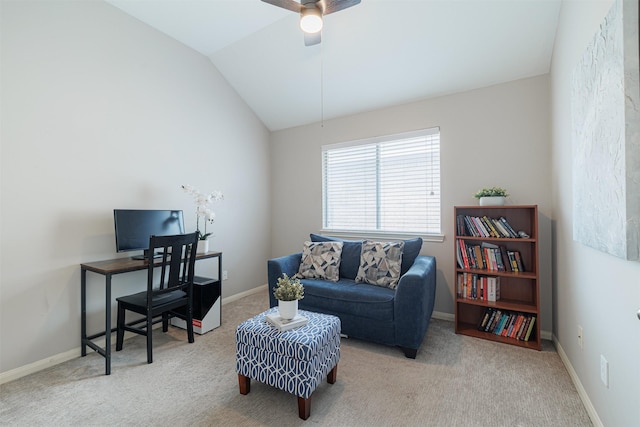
385 184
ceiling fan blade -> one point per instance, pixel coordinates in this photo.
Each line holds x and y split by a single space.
286 4
312 39
330 6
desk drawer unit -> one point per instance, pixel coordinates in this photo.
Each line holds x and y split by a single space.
207 311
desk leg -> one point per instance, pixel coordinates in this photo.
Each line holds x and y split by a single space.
220 279
83 311
107 326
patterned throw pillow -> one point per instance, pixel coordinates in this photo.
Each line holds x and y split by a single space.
380 263
320 260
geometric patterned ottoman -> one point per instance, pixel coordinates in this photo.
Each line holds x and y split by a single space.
295 361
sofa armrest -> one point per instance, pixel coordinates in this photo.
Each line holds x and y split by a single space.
276 267
414 300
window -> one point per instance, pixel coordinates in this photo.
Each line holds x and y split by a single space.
388 184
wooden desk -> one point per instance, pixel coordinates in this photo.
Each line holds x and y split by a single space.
108 268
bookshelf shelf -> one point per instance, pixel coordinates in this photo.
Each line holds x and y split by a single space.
480 254
504 304
472 331
522 275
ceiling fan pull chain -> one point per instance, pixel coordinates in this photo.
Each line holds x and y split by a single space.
321 87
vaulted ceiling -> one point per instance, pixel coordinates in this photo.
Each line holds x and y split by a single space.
377 54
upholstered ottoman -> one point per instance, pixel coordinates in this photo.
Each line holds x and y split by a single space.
295 361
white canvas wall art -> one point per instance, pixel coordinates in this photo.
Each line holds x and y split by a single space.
606 137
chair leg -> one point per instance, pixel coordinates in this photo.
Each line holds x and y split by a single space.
190 324
165 322
120 332
149 341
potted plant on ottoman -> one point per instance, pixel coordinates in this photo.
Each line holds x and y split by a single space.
493 196
288 291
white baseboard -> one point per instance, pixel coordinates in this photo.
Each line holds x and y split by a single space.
236 297
443 316
591 411
48 362
39 365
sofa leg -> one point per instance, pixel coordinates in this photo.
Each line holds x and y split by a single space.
410 352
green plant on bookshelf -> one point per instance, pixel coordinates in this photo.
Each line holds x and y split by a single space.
491 192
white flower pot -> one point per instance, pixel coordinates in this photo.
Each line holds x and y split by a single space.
492 201
288 309
203 246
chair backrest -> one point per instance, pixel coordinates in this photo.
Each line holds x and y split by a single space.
176 271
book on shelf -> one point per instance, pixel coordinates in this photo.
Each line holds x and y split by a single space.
478 287
487 256
519 262
510 229
514 260
503 321
484 226
286 324
493 232
508 324
493 289
529 329
505 258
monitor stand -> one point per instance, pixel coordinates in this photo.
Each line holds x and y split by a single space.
145 255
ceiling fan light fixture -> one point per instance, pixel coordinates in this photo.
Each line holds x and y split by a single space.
311 20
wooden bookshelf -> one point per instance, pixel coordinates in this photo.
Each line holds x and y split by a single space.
519 290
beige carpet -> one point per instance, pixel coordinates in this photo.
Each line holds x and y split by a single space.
455 381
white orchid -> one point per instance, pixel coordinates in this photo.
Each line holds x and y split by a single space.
203 207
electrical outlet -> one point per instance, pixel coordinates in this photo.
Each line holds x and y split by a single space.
580 342
225 275
604 371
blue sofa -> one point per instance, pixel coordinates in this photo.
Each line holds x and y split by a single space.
396 317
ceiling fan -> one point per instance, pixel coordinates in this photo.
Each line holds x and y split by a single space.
311 13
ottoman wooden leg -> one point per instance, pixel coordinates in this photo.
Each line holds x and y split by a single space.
304 407
245 384
333 375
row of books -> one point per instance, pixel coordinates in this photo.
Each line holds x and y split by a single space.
484 226
487 256
507 324
474 286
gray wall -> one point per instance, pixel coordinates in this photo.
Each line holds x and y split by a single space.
597 291
100 112
496 136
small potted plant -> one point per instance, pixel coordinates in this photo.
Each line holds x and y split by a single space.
493 196
288 291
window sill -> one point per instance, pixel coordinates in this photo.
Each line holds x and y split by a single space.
380 235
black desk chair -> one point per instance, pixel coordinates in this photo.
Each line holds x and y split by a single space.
174 291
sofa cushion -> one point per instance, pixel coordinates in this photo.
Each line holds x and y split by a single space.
350 254
320 260
380 263
348 297
352 249
410 252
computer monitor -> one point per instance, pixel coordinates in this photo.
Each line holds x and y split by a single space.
133 228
